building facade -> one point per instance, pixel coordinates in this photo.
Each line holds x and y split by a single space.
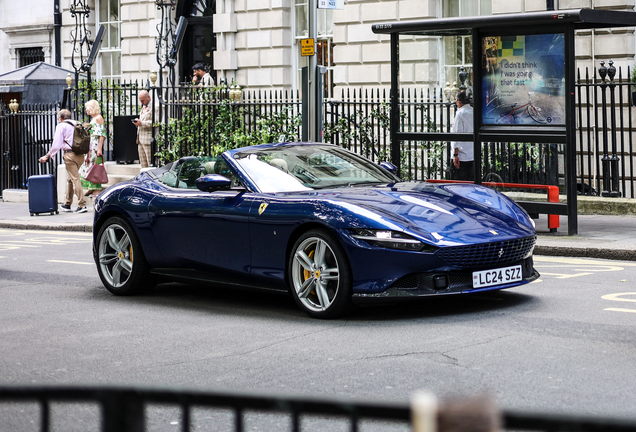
256 43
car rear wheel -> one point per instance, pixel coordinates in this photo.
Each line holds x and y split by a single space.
121 263
320 276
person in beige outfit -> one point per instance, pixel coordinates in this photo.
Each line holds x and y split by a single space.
144 128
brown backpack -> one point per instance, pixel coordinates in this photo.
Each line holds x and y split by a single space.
81 137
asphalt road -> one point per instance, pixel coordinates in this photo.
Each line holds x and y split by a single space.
565 343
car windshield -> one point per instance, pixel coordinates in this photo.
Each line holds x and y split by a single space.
308 167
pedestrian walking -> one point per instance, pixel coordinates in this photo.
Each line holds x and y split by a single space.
98 133
63 141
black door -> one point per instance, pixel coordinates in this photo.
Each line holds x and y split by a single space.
198 46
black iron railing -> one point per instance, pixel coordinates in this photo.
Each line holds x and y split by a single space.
357 120
605 145
122 409
25 136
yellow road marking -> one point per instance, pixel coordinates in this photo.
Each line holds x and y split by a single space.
577 261
565 276
595 268
616 297
620 310
70 262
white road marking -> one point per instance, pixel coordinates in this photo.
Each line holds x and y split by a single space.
564 275
617 297
71 262
620 310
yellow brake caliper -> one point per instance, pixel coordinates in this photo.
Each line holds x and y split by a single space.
307 273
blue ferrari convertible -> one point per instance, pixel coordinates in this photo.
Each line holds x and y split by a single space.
323 223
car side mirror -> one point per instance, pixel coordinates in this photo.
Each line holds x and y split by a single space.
213 182
389 167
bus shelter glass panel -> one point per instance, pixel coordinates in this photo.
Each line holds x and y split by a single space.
426 104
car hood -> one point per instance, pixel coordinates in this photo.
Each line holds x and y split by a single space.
441 214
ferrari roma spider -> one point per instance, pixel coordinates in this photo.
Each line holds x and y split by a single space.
316 220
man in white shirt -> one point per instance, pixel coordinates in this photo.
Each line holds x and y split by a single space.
462 151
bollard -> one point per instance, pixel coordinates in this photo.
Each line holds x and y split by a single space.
605 160
469 414
611 73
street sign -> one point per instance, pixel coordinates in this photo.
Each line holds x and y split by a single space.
330 4
307 47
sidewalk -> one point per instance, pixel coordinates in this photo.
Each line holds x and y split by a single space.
600 236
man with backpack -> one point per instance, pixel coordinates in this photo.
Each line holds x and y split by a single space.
63 141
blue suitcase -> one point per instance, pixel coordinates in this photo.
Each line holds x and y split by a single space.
42 194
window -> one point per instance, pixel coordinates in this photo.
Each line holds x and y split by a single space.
183 174
110 51
324 44
29 56
458 50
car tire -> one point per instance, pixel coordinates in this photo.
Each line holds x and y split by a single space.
319 275
120 260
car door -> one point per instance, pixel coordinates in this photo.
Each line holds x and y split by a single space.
202 230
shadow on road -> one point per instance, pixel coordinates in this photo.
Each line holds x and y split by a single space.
273 305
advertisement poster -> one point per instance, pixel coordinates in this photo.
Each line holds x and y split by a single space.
523 80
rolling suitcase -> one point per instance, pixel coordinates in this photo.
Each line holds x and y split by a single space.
43 194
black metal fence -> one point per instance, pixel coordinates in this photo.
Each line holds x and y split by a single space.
193 120
121 409
605 144
25 136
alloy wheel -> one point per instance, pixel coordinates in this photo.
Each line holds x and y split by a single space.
115 255
315 274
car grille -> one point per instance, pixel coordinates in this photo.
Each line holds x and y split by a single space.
486 254
425 281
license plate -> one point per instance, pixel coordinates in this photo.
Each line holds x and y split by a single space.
486 278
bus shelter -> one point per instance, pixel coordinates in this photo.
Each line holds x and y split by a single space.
514 56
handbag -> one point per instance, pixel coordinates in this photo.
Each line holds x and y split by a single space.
97 174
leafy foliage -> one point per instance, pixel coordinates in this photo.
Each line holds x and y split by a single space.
212 128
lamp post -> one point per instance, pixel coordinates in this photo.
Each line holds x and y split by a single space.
166 39
80 35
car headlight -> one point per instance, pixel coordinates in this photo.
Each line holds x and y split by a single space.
390 240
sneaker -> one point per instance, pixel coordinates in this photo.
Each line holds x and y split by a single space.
81 210
66 208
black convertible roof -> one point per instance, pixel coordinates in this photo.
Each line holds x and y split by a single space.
579 18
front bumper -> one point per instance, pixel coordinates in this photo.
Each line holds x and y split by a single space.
457 282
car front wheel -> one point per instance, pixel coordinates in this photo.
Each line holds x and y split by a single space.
121 263
320 276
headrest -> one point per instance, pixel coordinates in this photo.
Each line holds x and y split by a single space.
279 163
209 167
